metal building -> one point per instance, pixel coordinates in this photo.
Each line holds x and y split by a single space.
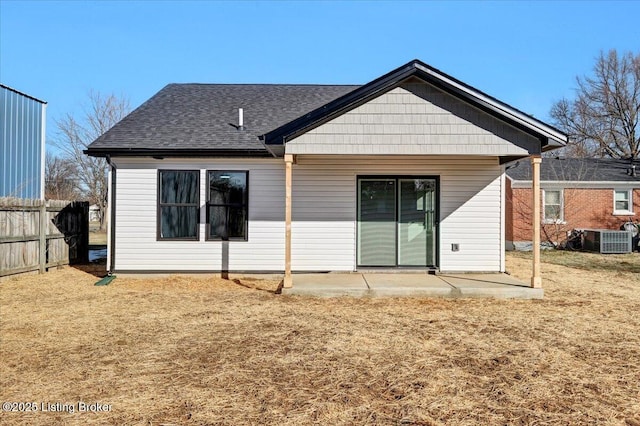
22 144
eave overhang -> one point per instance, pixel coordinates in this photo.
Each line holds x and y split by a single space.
177 153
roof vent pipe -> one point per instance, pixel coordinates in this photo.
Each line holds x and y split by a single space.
240 119
633 170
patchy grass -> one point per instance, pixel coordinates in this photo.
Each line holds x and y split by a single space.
185 350
588 261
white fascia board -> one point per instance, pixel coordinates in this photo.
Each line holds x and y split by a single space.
518 116
577 184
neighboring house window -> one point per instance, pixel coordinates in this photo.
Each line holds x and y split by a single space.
553 211
178 204
227 204
622 203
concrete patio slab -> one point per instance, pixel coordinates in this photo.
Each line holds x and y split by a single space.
482 280
411 285
500 286
328 285
407 285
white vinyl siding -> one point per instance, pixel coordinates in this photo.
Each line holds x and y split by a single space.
136 219
415 119
325 207
324 213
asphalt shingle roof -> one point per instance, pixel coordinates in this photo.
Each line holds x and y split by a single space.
578 169
198 116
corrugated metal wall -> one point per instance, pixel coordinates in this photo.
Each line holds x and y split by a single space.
21 142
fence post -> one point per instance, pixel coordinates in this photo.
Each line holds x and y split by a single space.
42 260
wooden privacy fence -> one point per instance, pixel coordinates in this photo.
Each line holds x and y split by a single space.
36 234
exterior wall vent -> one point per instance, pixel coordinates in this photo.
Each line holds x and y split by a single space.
607 241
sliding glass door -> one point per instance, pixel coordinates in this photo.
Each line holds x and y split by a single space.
397 222
416 222
377 222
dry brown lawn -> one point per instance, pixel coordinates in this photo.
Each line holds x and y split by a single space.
182 350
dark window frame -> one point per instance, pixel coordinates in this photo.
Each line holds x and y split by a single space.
245 205
160 204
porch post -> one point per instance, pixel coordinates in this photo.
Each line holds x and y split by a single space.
536 279
288 161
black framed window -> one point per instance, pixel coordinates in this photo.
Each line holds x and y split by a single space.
227 204
178 204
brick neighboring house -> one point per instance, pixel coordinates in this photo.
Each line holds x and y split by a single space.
577 193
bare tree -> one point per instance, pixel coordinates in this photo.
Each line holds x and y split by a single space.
562 206
60 182
74 135
603 119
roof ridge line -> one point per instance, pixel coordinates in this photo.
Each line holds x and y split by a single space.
265 84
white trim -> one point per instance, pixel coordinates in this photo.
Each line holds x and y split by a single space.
108 215
355 221
628 212
560 184
503 204
557 221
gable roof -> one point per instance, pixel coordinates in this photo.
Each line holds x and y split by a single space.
200 118
549 136
578 170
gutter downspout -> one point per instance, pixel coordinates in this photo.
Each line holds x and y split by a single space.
111 210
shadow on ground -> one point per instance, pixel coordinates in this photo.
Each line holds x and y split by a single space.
97 264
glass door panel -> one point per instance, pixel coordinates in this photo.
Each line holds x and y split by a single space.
416 222
376 222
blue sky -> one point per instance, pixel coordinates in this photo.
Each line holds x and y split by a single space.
524 53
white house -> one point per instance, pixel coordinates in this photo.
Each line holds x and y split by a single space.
406 171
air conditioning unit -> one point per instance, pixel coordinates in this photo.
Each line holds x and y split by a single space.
607 241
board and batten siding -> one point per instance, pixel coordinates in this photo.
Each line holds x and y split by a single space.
324 194
415 118
136 219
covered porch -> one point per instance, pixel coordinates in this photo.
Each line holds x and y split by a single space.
407 171
411 284
474 268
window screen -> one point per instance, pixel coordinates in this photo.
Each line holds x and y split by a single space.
553 205
622 201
